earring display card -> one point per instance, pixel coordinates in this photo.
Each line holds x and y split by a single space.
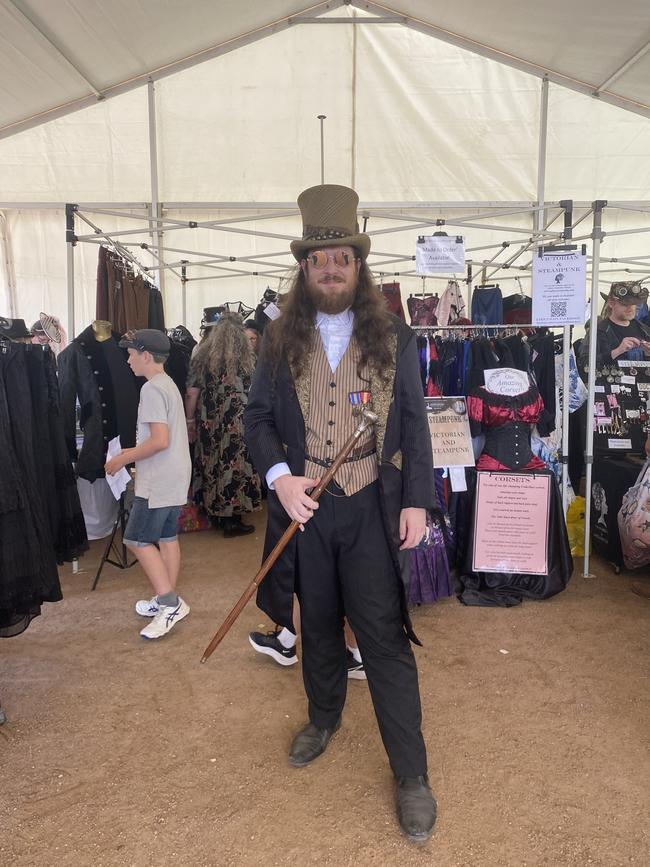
621 413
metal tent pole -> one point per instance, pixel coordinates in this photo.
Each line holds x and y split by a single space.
566 352
539 223
156 210
540 215
597 237
184 265
321 118
566 349
71 241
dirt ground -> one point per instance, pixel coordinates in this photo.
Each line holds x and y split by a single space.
119 751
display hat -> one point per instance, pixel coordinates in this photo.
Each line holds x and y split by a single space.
50 326
13 329
147 340
329 219
627 292
211 315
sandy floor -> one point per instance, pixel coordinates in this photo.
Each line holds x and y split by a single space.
124 752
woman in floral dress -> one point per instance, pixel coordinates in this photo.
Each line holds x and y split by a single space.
216 395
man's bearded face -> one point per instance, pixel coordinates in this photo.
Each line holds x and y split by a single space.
331 288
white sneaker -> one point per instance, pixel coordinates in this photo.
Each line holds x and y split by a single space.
167 617
147 607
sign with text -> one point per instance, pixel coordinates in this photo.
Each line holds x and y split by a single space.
511 521
559 289
451 440
439 254
506 380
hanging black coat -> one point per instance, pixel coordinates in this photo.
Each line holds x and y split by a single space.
97 374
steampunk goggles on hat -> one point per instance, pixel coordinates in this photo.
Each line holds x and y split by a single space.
630 293
318 259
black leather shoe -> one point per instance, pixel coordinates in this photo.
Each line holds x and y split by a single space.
416 808
235 527
310 743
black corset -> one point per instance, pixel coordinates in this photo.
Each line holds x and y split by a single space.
509 444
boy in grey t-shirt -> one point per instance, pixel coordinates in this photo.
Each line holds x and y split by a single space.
162 478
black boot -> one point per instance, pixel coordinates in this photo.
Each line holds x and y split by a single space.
234 526
416 808
310 743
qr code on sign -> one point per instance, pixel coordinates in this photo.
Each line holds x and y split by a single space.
558 309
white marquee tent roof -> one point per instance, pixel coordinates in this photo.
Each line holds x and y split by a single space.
60 56
436 111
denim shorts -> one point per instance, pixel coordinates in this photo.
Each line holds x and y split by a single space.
147 526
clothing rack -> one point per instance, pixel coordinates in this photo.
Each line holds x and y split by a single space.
514 325
566 348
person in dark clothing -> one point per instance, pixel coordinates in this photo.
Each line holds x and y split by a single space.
334 342
254 335
619 334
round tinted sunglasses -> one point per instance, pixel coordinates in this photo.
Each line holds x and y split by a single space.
318 259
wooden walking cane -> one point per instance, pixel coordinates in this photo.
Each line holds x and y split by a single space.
368 418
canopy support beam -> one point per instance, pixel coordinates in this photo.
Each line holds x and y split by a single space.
623 69
52 45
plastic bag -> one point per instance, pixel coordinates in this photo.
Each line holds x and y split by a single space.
634 521
575 524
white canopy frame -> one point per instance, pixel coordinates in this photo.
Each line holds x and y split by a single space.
250 265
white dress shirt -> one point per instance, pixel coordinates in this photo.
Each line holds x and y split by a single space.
335 332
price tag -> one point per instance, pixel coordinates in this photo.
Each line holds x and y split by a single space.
457 478
272 310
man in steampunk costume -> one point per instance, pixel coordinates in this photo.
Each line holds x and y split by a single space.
334 345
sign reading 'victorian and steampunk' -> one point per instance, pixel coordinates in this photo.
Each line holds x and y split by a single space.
559 289
451 439
511 519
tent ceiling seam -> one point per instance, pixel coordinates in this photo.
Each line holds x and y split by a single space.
41 35
623 68
187 62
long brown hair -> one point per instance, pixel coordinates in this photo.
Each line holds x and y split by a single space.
292 333
225 349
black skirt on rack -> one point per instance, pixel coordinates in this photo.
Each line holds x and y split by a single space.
507 589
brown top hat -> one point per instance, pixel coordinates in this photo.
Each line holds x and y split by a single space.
627 292
329 219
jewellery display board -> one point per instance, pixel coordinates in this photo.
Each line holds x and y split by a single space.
621 407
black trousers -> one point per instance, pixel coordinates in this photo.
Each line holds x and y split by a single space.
345 569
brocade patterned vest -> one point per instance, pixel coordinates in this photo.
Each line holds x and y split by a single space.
331 421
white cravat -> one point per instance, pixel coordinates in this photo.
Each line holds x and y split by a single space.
335 331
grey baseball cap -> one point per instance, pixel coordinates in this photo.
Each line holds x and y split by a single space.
147 340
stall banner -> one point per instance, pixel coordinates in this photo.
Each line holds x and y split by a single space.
439 254
511 523
451 440
559 289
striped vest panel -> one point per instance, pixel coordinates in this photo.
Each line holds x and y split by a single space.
331 421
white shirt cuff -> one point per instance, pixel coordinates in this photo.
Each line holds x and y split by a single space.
275 472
